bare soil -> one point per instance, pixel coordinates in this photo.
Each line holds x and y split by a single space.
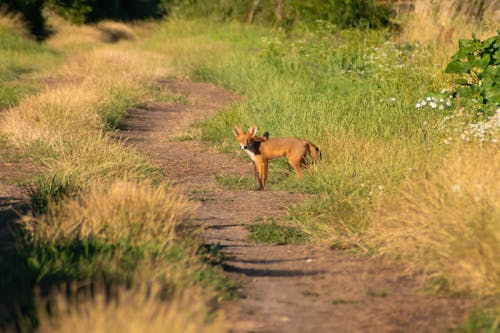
285 288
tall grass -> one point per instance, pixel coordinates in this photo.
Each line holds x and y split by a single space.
101 210
138 213
133 310
448 220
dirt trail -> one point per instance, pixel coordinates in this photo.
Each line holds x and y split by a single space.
287 288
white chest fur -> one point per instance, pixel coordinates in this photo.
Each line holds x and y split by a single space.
252 155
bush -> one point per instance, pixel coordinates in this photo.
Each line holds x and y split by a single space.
344 13
478 63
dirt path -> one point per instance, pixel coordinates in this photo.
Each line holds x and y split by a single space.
291 288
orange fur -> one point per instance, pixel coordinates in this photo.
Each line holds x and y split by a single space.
263 149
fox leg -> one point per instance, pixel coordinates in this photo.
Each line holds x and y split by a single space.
261 168
264 174
296 160
256 173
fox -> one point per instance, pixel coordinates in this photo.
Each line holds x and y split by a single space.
262 149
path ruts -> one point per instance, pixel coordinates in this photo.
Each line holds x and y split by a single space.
286 288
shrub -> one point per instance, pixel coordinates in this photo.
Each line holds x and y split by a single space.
478 63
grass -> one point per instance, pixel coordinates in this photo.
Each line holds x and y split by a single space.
22 61
353 93
340 301
392 178
136 309
100 210
480 321
235 182
273 233
383 292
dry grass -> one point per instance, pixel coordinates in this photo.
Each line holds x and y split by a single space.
439 24
52 115
72 37
113 206
131 310
448 221
65 121
122 209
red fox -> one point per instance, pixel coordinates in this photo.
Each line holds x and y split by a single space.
263 149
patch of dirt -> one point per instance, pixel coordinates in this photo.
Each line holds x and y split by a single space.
286 288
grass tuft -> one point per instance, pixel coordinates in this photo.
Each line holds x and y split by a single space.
273 233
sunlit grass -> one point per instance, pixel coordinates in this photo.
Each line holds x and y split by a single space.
354 94
100 209
448 221
129 310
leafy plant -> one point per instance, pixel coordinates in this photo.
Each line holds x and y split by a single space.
478 62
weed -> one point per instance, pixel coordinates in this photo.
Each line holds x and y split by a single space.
480 322
274 233
50 189
310 293
382 292
339 301
235 182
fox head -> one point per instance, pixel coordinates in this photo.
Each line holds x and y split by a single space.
245 139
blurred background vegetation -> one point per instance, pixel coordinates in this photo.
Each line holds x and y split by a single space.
284 13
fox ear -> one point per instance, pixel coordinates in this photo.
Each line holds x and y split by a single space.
236 130
252 129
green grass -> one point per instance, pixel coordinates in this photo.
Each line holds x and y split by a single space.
339 301
47 189
273 233
352 93
379 292
235 182
480 321
21 60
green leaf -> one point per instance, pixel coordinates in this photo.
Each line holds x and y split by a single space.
493 96
463 82
458 67
484 61
496 57
466 45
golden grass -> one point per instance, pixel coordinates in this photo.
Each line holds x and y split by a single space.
356 179
53 114
64 127
448 221
439 24
138 212
132 310
72 37
68 116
